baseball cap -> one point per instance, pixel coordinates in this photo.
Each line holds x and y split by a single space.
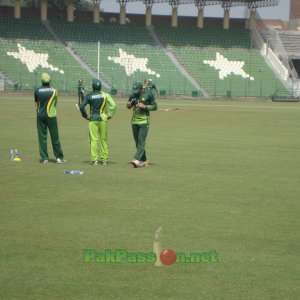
46 78
137 86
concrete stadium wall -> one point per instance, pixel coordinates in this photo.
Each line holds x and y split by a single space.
295 9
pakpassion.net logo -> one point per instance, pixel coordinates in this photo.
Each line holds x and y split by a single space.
166 257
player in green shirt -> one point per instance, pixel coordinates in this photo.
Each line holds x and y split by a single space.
80 92
102 107
45 98
142 101
152 87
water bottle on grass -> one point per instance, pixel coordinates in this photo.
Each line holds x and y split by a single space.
11 154
73 172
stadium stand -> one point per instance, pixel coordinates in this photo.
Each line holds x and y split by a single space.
109 33
133 41
25 59
24 28
211 36
201 47
291 42
223 62
263 84
118 62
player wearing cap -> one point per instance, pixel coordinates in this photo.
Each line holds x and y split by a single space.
45 98
142 102
102 107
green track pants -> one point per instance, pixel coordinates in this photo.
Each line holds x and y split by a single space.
44 123
140 132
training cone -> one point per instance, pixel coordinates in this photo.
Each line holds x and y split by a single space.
17 159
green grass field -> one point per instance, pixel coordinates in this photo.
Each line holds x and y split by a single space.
223 175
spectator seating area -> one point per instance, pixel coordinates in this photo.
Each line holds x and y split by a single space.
109 33
193 47
24 28
207 37
257 80
120 65
221 61
25 60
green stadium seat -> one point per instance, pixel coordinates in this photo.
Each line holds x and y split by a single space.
193 48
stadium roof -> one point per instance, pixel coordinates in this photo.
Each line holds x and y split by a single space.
202 3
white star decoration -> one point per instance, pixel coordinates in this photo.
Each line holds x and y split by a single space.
227 67
32 59
132 63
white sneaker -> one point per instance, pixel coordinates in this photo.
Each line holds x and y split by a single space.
141 164
138 164
135 163
146 163
60 161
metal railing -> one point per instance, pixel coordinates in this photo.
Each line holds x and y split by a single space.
216 88
272 39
